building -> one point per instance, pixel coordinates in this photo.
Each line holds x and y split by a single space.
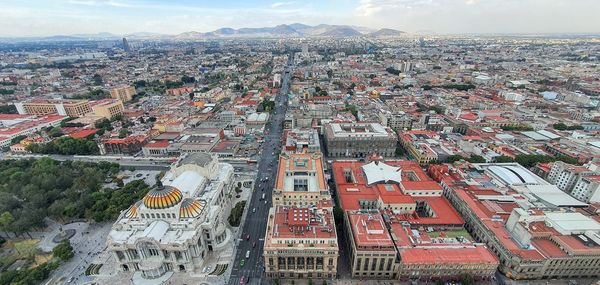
177 225
300 141
301 242
587 189
71 108
301 239
123 93
396 121
179 91
359 140
565 175
399 226
536 230
14 125
127 146
300 180
107 108
126 46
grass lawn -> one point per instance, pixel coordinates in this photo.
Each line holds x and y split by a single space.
451 234
21 249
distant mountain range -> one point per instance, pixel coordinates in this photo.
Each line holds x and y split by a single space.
292 30
288 31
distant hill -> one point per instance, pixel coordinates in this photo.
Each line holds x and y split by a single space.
386 33
341 31
284 30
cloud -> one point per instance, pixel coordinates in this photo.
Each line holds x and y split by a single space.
281 4
101 3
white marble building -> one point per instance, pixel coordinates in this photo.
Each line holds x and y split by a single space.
176 226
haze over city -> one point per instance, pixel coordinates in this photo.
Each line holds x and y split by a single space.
21 18
287 142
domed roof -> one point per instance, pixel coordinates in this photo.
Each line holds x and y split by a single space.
132 212
162 198
191 208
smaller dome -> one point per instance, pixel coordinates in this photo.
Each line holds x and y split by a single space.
162 198
191 208
132 212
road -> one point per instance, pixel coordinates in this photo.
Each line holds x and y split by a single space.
254 227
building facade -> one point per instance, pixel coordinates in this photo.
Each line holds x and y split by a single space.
123 93
536 230
301 239
71 108
399 226
178 225
359 140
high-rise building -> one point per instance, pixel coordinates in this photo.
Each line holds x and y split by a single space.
126 46
124 93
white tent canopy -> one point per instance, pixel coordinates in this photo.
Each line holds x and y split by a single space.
381 172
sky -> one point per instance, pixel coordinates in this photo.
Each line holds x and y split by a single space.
20 18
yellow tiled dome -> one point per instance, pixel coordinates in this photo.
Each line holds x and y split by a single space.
132 212
191 208
162 198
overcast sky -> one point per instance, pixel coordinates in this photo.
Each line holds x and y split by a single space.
62 17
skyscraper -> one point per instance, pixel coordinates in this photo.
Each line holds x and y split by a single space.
126 46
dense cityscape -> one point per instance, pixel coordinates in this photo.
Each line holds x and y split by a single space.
300 154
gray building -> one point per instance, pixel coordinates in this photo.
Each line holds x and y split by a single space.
359 140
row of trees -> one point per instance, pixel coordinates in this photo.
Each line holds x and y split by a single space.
236 214
564 127
31 190
530 160
527 160
518 127
65 146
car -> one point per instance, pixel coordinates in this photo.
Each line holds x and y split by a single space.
247 254
254 210
253 244
248 237
242 262
243 280
70 280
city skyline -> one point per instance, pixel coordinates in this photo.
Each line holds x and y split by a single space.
66 17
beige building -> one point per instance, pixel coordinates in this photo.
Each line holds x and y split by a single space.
301 240
108 108
71 108
300 180
123 93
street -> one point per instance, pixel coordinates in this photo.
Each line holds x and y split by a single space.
254 227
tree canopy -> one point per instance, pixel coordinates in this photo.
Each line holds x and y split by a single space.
31 190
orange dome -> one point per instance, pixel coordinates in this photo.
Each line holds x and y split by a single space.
132 212
162 198
191 208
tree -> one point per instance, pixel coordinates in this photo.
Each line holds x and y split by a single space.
454 158
188 79
123 133
97 79
8 109
504 159
338 215
55 132
466 279
6 219
64 250
476 159
392 70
